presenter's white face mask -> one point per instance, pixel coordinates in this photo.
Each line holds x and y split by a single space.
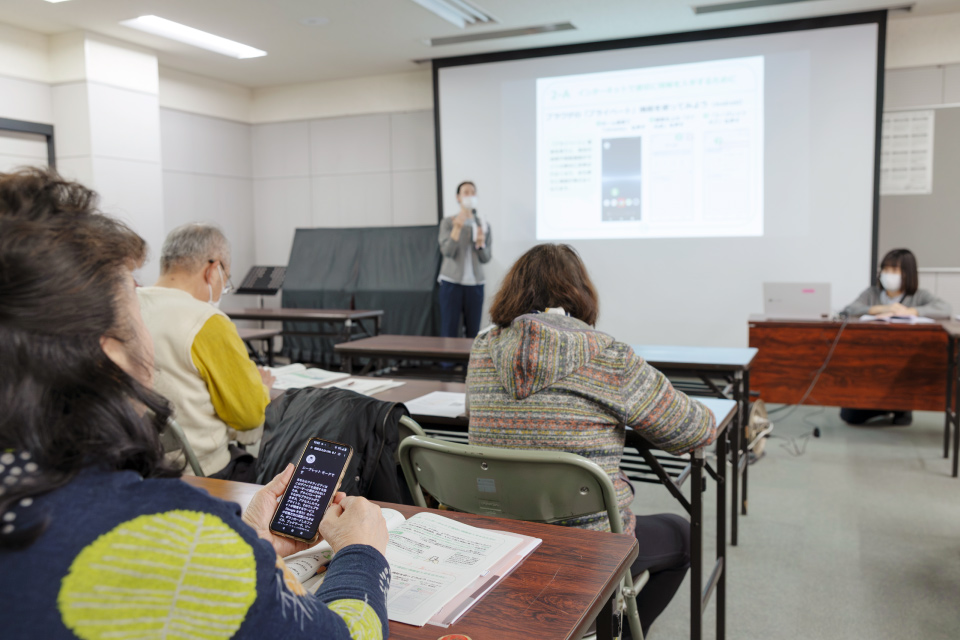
470 202
891 281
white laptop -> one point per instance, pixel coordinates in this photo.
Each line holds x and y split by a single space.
796 300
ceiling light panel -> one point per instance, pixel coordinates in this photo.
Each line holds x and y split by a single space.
495 35
188 35
457 12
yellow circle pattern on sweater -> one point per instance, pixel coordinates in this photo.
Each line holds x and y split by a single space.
164 575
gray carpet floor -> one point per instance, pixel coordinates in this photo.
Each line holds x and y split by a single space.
858 537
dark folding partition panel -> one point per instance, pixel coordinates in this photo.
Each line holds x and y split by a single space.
389 268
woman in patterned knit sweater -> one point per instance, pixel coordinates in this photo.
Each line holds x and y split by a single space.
543 378
99 538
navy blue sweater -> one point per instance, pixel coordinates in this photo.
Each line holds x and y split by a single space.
129 558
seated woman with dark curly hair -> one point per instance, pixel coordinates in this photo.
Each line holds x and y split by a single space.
544 378
98 537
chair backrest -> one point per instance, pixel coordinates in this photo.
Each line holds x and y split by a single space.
408 427
537 486
173 439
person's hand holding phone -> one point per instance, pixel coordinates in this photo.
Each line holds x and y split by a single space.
354 520
259 513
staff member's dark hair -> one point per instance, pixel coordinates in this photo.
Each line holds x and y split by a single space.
546 276
907 262
65 404
464 183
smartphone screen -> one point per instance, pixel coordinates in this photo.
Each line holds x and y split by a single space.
311 489
620 175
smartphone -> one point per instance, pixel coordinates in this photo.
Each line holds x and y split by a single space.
620 176
315 481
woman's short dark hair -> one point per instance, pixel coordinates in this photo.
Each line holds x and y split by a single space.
465 182
907 263
65 404
546 276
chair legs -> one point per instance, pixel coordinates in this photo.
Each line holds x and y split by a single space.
629 591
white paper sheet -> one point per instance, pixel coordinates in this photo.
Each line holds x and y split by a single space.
906 153
298 376
444 404
367 386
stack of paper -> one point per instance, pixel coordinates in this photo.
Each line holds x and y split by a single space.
444 404
297 376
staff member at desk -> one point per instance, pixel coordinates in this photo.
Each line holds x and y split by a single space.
897 294
465 247
98 536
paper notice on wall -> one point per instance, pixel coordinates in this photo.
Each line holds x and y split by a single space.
906 153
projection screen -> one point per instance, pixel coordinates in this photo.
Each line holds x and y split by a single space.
686 169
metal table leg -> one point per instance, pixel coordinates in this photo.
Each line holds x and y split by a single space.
951 375
955 415
605 618
745 444
696 545
734 436
721 564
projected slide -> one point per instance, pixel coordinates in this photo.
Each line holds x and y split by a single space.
659 152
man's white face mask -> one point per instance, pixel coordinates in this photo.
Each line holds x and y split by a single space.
224 290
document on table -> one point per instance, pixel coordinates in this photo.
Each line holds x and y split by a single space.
897 319
434 560
445 404
367 386
297 376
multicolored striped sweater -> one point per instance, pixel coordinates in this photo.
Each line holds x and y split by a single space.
552 382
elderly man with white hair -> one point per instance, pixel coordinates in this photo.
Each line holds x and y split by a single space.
203 367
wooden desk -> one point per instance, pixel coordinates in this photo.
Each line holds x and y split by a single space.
732 365
725 412
404 347
876 365
566 582
263 335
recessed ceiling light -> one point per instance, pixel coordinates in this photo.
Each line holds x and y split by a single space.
458 12
182 33
56 1
317 21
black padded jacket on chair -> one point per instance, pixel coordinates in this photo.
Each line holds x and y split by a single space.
366 424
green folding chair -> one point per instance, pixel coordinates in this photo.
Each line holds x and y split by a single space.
174 439
485 480
408 427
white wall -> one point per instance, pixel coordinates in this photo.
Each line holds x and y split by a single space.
921 41
920 87
357 171
207 178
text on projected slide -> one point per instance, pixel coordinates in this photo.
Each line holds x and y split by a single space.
660 152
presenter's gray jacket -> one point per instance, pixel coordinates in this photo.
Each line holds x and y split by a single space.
927 304
455 254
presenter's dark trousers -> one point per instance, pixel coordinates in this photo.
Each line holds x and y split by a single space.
664 541
460 307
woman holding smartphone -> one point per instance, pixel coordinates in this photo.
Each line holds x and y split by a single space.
98 536
897 293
